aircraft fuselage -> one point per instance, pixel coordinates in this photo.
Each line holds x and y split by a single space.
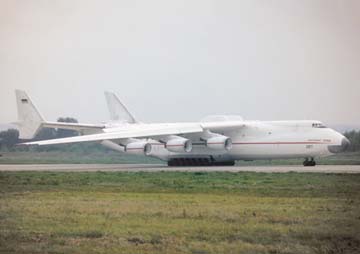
260 140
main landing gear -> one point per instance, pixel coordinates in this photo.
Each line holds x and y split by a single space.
309 162
183 162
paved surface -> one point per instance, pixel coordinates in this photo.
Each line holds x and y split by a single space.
154 168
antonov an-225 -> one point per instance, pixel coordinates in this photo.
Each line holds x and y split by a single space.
216 140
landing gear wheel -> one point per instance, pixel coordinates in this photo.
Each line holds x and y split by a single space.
309 163
195 162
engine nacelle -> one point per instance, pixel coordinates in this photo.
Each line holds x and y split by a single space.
140 148
179 145
219 142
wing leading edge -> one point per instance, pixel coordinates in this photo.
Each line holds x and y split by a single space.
116 135
154 131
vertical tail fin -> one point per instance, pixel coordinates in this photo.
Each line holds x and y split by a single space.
118 112
29 118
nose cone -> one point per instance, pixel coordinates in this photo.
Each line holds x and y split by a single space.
345 143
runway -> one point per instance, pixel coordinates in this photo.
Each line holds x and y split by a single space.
354 169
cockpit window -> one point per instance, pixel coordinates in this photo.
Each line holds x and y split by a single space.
318 125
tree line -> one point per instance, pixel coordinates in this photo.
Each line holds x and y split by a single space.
354 137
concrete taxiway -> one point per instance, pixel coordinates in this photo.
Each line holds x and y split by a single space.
156 168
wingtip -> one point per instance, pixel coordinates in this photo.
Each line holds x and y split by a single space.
26 143
21 144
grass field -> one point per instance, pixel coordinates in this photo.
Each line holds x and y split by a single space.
178 212
111 157
68 157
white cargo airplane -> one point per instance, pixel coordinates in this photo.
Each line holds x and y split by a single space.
216 140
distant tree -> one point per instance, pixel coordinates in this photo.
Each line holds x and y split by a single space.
354 138
63 133
9 138
51 133
46 133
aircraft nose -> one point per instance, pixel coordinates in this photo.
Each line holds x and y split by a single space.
345 143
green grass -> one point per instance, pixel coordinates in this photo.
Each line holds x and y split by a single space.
111 157
179 212
62 157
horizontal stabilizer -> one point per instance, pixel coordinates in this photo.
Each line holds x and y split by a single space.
73 126
30 120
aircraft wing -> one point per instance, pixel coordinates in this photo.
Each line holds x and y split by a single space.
31 121
153 131
131 133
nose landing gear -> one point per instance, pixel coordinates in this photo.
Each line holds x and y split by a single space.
309 163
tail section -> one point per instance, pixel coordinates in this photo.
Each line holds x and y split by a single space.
29 118
118 112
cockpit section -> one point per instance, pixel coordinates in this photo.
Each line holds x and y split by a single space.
318 125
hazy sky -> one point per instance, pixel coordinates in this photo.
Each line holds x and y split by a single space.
182 60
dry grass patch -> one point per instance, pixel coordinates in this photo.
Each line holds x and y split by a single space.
179 213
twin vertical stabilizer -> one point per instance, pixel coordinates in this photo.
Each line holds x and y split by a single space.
118 112
29 118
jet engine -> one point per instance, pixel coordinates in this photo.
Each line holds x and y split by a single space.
219 142
139 147
179 145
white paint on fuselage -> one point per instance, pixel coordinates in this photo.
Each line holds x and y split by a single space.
256 140
275 140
